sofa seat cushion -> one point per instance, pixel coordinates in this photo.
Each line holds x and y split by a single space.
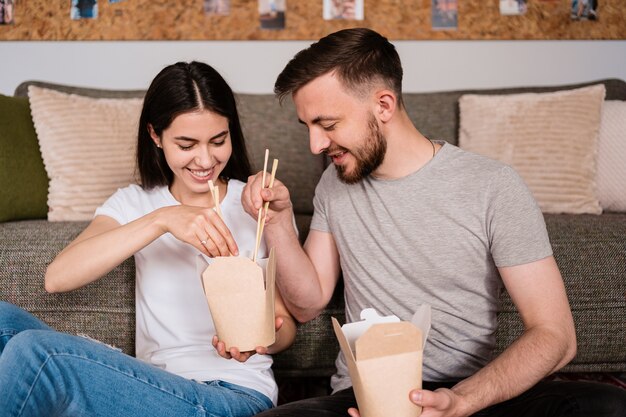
104 310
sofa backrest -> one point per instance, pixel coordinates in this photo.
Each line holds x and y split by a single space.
270 125
436 115
266 125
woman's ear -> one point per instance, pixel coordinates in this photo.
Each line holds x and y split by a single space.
386 103
155 138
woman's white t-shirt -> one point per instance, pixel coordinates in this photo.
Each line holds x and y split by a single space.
174 327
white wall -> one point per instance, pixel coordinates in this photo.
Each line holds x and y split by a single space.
252 66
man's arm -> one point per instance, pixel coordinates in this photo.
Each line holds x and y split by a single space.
547 344
306 277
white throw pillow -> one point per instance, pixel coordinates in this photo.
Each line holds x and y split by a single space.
88 148
550 139
611 170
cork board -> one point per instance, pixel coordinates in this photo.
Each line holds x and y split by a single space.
396 19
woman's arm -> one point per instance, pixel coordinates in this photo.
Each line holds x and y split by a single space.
285 327
105 244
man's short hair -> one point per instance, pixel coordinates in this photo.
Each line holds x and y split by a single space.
361 58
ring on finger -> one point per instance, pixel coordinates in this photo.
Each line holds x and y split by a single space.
203 241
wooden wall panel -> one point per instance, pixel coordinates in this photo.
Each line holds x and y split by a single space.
396 19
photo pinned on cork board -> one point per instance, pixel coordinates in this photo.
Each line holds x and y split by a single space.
512 7
444 14
343 10
7 10
216 7
584 10
272 14
84 9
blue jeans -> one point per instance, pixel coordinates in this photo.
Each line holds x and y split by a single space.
47 373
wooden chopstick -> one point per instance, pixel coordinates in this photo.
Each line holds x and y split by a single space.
258 221
215 192
266 206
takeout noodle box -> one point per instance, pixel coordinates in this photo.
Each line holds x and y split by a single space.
384 358
240 294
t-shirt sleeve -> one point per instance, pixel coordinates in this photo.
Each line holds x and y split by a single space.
114 207
515 224
320 204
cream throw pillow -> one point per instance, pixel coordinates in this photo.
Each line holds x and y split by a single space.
611 173
88 148
550 139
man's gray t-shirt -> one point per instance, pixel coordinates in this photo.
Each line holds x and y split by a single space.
433 237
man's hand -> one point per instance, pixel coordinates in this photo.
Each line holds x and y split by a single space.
255 195
440 403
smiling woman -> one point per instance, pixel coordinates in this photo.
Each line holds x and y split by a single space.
189 136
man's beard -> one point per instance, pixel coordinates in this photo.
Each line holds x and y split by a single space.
368 157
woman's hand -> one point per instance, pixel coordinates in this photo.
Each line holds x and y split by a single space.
200 227
234 353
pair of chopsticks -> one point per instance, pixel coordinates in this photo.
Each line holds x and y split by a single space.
215 192
261 218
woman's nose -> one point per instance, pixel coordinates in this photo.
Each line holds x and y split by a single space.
203 157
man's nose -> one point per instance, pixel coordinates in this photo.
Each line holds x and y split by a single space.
318 141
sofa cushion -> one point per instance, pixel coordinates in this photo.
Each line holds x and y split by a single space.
549 138
104 310
591 254
88 148
611 172
436 114
23 179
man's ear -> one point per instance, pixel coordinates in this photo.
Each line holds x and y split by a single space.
155 138
386 103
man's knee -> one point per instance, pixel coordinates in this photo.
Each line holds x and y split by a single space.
610 401
327 406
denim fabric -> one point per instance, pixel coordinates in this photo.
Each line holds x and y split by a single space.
546 399
47 373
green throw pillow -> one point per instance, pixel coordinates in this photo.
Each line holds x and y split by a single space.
23 178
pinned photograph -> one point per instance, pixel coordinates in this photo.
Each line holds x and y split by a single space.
512 7
343 10
272 14
84 9
6 12
217 7
444 14
584 9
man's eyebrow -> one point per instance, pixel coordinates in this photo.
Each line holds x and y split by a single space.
319 119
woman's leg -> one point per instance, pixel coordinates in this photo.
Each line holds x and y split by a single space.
44 372
14 320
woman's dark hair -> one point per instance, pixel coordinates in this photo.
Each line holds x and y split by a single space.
360 57
181 88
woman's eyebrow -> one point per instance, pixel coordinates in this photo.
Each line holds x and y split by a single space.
186 138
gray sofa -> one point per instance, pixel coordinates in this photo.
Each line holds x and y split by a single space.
590 250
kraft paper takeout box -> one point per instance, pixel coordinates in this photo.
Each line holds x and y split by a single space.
240 294
384 358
